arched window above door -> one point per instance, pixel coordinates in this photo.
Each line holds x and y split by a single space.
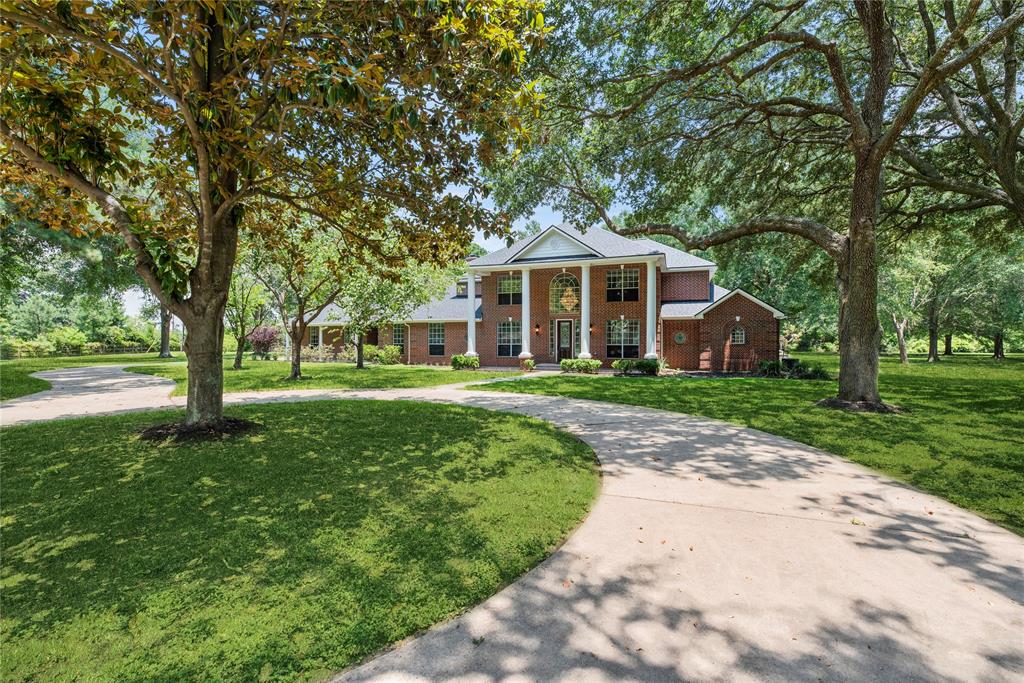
564 294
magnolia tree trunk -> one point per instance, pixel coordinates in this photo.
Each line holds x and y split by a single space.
204 350
948 350
860 332
165 332
998 353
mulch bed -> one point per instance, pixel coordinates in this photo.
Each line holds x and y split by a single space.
181 432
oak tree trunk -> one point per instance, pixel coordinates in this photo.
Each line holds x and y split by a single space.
165 332
901 338
933 338
204 349
948 350
860 332
998 353
239 352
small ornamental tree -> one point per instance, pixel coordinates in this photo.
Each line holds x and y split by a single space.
312 104
374 297
247 308
263 339
301 269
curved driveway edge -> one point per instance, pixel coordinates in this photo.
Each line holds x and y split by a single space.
716 552
90 390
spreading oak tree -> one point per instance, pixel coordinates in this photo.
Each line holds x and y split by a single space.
310 104
968 154
786 115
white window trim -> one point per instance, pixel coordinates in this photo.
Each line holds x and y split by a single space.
622 343
511 338
519 291
431 342
552 299
732 335
317 331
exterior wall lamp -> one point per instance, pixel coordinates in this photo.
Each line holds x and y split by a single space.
536 328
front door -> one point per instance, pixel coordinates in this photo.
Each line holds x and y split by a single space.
565 339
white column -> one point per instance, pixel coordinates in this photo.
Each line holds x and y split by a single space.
471 314
651 331
585 311
526 315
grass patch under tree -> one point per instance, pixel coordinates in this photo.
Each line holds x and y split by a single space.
271 375
961 437
288 554
15 379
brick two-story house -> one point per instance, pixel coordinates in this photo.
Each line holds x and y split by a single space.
566 294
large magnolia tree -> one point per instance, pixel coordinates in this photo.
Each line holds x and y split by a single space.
315 105
784 115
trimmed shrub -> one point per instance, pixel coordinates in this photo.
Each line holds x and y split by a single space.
637 366
586 366
791 369
371 354
813 372
527 364
771 368
389 355
461 362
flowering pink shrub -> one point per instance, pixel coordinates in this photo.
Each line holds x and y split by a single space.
263 339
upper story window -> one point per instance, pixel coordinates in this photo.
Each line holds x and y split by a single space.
510 290
623 284
398 337
738 335
461 289
564 294
435 339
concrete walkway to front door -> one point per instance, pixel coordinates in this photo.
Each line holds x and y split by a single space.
713 552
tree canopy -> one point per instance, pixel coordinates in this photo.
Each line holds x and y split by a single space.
385 108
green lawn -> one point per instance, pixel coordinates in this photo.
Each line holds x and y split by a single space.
962 437
288 554
14 374
269 375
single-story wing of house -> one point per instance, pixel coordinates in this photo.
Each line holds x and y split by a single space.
564 294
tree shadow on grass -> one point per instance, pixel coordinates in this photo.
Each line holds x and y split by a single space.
340 528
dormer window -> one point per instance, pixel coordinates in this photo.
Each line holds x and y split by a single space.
462 289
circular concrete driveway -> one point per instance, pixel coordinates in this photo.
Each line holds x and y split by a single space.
715 552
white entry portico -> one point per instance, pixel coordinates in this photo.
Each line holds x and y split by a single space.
559 248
